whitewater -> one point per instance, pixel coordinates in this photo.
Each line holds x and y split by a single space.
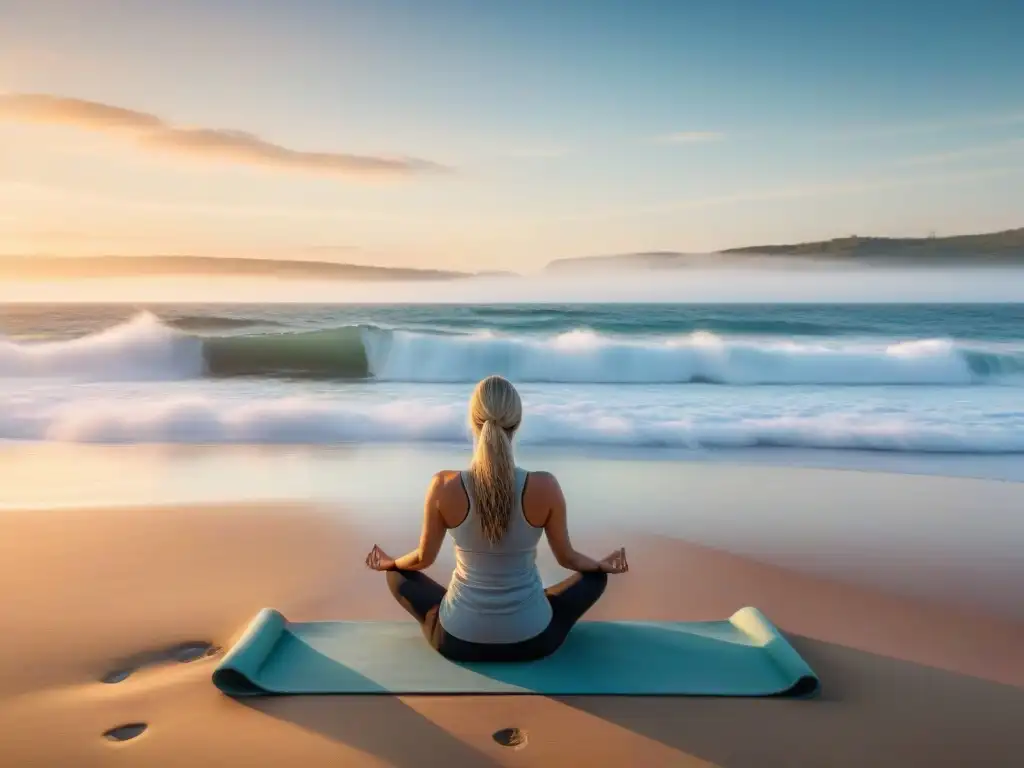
144 348
896 379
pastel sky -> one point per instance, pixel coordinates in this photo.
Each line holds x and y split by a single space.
502 134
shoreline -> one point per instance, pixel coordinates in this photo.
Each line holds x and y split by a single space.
927 537
995 467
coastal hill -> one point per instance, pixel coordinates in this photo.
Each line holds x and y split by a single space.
77 267
996 244
996 248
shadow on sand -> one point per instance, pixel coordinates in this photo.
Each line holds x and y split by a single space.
375 723
872 710
379 725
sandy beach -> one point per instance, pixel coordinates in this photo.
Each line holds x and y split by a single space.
147 599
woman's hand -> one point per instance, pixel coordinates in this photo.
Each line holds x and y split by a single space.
615 562
378 560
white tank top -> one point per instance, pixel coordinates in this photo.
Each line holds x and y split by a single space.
496 594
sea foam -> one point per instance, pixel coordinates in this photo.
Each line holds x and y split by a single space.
145 349
198 419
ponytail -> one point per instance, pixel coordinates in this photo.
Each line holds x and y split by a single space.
495 412
493 471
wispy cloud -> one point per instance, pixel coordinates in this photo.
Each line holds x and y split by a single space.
967 153
153 133
690 137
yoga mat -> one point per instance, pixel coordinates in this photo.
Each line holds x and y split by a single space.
743 656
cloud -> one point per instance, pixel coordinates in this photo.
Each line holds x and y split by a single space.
691 137
57 110
151 132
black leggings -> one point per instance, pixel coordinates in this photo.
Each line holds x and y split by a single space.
421 596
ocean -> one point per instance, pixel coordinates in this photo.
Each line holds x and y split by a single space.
850 379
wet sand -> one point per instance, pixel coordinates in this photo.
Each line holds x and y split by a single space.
115 618
956 540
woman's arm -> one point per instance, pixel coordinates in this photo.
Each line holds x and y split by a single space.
432 533
544 492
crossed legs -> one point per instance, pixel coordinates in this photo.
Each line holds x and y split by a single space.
421 597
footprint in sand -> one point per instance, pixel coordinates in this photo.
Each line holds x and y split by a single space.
182 653
125 732
510 737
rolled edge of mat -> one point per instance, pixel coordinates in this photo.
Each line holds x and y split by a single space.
238 672
800 679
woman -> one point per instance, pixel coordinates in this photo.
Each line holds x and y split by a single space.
495 607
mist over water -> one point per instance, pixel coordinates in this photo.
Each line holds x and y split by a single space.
815 283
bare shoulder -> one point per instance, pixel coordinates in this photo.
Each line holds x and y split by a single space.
543 494
543 482
446 483
447 477
447 492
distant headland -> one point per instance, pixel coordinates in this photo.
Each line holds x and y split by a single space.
1009 242
79 267
996 248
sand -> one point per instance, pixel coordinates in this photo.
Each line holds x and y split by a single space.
147 598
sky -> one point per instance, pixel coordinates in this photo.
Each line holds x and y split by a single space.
501 135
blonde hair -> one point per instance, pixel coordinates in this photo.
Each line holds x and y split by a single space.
495 412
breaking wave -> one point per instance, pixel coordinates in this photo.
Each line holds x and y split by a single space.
144 348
